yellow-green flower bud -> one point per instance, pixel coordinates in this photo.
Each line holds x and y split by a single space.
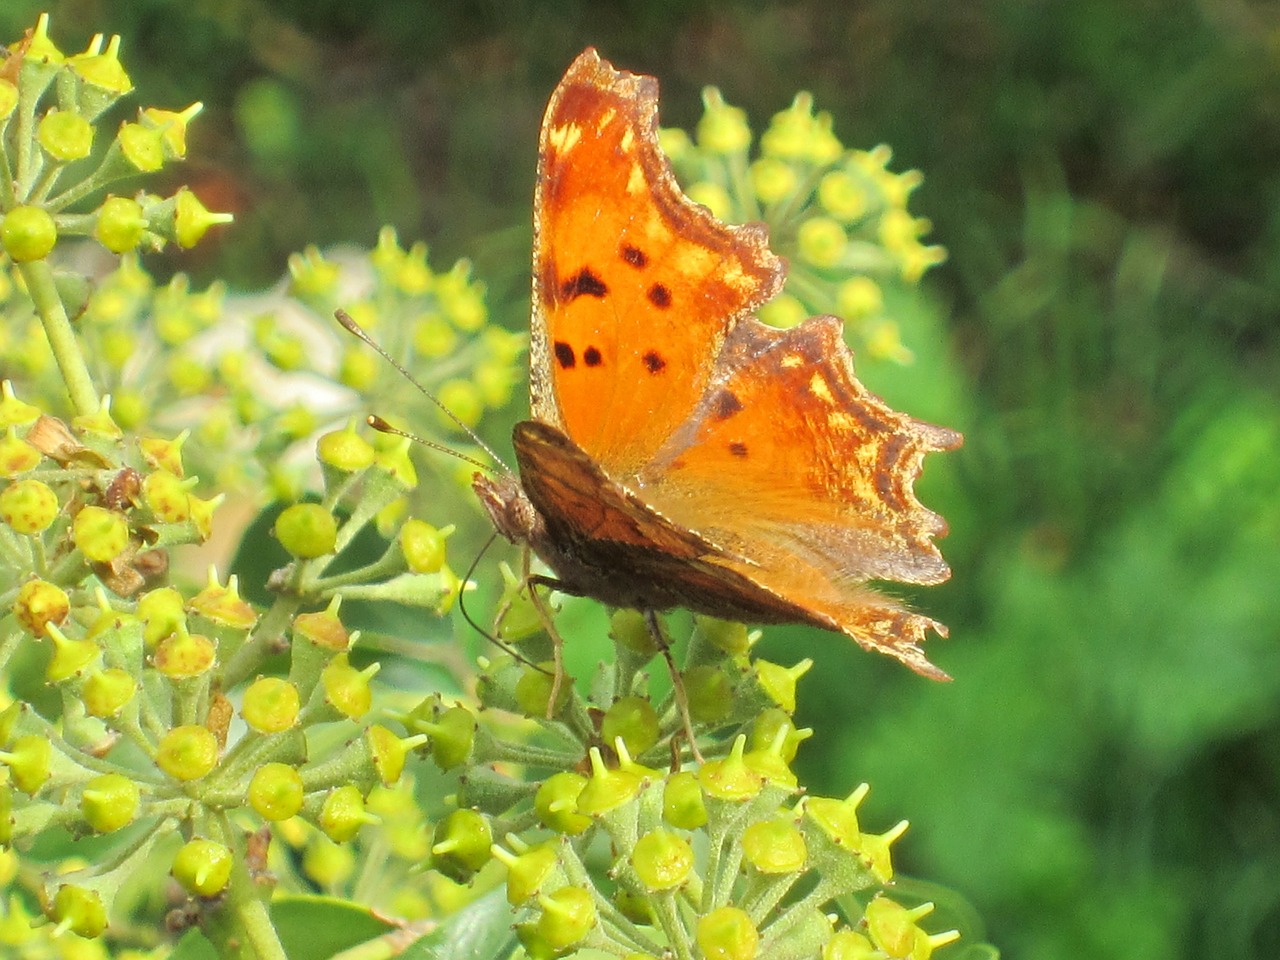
28 506
167 496
187 752
183 655
109 802
162 612
710 693
347 688
730 778
452 735
202 513
464 399
202 867
343 813
713 196
662 860
783 311
434 337
843 196
461 844
892 928
164 454
423 546
847 945
28 233
120 224
389 751
40 603
358 369
607 789
628 628
533 690
102 68
526 872
312 276
100 534
345 450
837 819
15 412
69 656
634 720
307 530
323 628
276 791
773 179
16 455
326 864
105 693
173 125
223 604
780 682
722 129
78 910
556 803
191 219
29 760
142 146
727 635
773 723
774 846
568 915
395 460
65 136
727 933
821 241
682 801
859 298
270 705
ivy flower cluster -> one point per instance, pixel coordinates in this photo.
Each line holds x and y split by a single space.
839 215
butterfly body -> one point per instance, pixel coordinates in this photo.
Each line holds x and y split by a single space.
681 453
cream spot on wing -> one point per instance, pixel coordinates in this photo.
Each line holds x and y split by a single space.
628 140
791 361
606 118
564 137
635 180
841 421
818 387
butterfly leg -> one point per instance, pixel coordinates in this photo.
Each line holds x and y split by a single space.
533 581
677 681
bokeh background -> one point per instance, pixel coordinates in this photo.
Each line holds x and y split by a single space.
1102 779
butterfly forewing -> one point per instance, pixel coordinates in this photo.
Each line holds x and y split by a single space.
635 286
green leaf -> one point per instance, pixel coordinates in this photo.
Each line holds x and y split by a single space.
314 926
480 931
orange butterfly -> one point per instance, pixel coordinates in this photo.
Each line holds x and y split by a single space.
681 453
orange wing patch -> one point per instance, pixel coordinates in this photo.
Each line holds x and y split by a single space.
635 286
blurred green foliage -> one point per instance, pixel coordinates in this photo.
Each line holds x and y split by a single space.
1103 778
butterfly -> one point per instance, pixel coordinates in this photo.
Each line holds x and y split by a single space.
680 452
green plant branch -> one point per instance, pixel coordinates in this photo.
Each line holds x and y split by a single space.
38 276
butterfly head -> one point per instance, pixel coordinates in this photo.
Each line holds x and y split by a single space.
513 515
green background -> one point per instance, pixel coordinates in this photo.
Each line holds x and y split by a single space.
1102 778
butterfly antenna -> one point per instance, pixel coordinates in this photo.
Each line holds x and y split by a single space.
382 426
462 608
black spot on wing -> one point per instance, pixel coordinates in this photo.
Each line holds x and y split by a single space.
725 404
634 256
564 355
660 296
584 283
738 449
653 361
591 357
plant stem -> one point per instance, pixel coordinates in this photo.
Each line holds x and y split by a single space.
62 338
246 910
